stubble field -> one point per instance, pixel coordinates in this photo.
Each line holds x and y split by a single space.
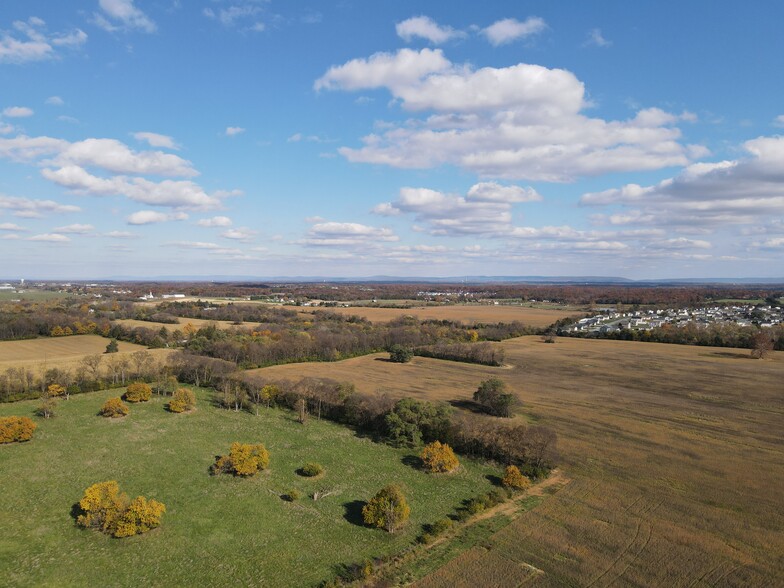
676 456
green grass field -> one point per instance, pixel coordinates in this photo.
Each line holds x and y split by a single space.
32 295
217 531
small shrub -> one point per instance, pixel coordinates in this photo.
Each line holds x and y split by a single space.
108 510
475 506
183 400
514 480
244 459
114 408
400 354
388 509
138 392
14 429
441 526
46 408
311 470
112 347
439 457
292 495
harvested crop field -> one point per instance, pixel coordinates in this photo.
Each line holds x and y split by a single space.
470 314
676 455
196 322
61 352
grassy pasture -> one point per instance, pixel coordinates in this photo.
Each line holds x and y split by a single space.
198 323
33 295
676 455
217 531
60 352
470 314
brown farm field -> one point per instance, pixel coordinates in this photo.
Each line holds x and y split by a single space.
676 456
198 323
470 314
60 352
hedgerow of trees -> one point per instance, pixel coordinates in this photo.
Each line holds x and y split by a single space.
105 508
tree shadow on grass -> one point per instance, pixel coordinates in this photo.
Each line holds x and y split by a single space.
468 405
385 359
732 354
412 461
76 511
494 480
353 512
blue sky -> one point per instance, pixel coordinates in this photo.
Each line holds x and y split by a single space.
146 138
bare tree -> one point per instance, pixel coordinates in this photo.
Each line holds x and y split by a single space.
762 344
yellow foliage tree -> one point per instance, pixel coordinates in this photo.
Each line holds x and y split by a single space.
114 408
15 429
514 479
138 392
107 509
244 459
388 509
439 457
57 331
54 390
182 400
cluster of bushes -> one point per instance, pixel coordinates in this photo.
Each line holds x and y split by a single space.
138 392
494 398
104 508
182 400
474 506
15 429
244 460
483 353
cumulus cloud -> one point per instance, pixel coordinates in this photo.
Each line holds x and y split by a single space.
426 28
485 210
334 234
31 42
149 217
114 156
509 30
779 121
54 101
215 221
27 149
172 193
596 39
240 234
727 192
11 227
77 229
50 238
29 208
232 131
121 235
518 122
17 112
156 140
239 13
122 15
5 128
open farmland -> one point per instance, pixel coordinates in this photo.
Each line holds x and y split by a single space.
60 352
536 317
676 455
217 530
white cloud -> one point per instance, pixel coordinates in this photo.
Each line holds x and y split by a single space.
399 70
519 122
295 138
115 156
50 238
17 112
29 208
771 244
726 192
509 29
232 131
215 221
35 44
156 140
121 235
27 149
122 14
171 193
77 229
68 119
334 234
596 38
239 234
148 217
779 121
55 101
246 12
425 28
5 128
680 243
11 227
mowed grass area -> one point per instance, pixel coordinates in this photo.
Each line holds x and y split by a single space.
467 313
61 352
217 531
676 455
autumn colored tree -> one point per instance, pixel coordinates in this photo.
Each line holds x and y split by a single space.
105 508
514 479
54 390
244 459
269 394
15 429
138 392
388 509
114 408
182 400
438 457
